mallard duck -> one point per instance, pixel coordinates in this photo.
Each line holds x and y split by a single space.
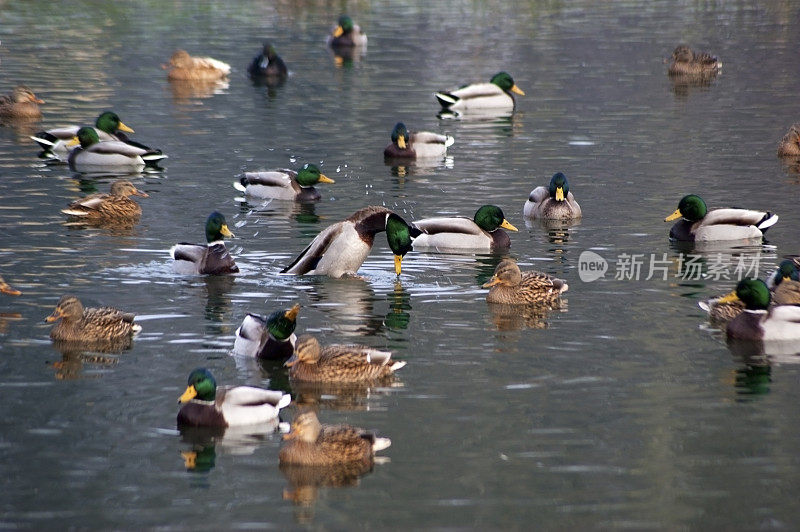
686 62
94 155
758 321
89 325
113 207
267 64
284 184
493 95
341 248
20 103
339 363
700 225
785 284
347 34
184 67
511 286
553 202
207 406
312 444
421 144
721 313
7 289
271 337
481 233
212 258
789 145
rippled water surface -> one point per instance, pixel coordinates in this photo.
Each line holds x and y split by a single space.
622 409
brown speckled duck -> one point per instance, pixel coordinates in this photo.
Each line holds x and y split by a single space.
339 363
511 286
313 444
89 325
686 62
789 145
113 207
20 103
184 67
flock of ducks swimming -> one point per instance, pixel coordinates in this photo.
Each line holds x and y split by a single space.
754 311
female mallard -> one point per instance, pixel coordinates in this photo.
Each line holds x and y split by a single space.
284 184
184 67
421 144
207 406
341 248
111 155
339 363
113 207
511 286
267 64
686 62
785 284
554 202
493 95
347 34
212 258
701 225
7 289
789 145
20 103
313 444
758 321
482 233
271 337
88 325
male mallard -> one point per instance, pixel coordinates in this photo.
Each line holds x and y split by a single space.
207 406
789 145
314 444
284 184
6 288
212 258
493 95
554 202
482 233
110 155
421 144
699 224
113 207
20 103
339 363
271 337
184 67
341 248
511 286
267 64
686 62
347 34
758 321
90 325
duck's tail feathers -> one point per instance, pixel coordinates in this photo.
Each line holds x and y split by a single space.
380 444
704 305
241 185
767 221
446 99
449 141
153 156
284 402
397 365
45 139
136 328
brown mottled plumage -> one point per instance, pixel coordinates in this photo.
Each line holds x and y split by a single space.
339 363
184 67
511 286
314 444
91 325
786 293
104 208
789 145
20 103
686 62
719 314
6 288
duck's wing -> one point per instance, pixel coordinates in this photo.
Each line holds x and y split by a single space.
310 257
539 194
116 147
468 92
209 63
247 396
356 354
272 178
759 219
89 203
787 293
426 137
435 226
188 252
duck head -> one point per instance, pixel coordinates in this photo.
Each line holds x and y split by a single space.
309 175
305 427
691 208
201 384
400 135
752 292
69 308
490 218
399 235
109 122
559 187
281 323
216 227
507 273
506 82
345 25
307 350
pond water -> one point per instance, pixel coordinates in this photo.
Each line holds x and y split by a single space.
623 409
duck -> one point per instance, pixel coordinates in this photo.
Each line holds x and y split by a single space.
347 34
7 289
94 155
341 248
511 286
211 258
420 144
553 202
698 224
339 363
785 284
686 62
184 67
267 338
759 322
79 324
21 102
720 313
310 443
483 232
497 94
267 64
284 184
789 146
205 405
113 207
